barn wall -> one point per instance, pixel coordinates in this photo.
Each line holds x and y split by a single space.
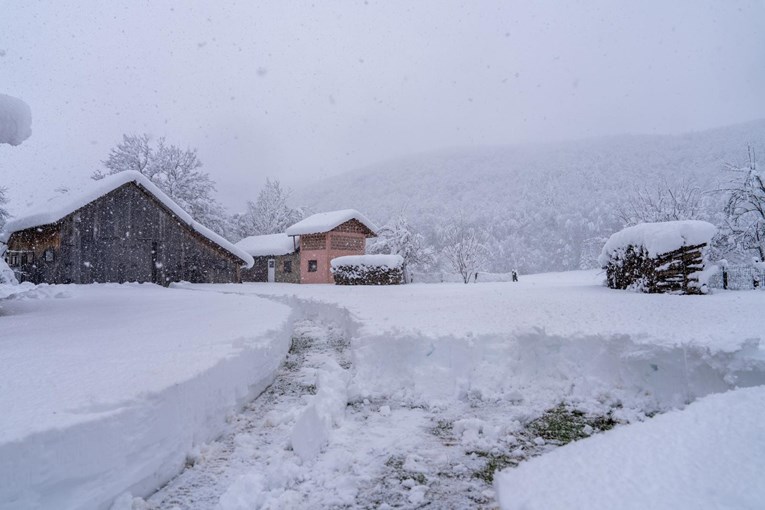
127 235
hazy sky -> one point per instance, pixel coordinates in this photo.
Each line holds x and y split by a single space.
301 90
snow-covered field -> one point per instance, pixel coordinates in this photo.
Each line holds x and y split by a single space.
106 388
405 396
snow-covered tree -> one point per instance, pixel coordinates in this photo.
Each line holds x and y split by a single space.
397 237
3 211
464 248
174 170
745 206
665 202
269 214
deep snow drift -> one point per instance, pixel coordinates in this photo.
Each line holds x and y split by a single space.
706 456
107 388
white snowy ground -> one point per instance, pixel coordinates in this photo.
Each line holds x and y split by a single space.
106 388
445 384
406 396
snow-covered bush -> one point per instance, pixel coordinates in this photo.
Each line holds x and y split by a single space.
15 120
368 269
659 257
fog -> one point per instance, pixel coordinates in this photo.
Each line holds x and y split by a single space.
300 91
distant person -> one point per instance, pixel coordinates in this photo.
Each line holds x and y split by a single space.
475 278
515 275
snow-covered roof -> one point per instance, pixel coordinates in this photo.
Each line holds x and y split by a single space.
61 206
326 221
658 238
271 244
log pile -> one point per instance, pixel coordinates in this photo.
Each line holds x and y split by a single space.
674 272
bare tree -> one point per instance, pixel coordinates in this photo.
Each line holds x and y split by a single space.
464 248
745 206
269 214
398 238
174 170
666 202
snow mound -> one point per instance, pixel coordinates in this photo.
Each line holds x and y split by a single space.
709 455
15 120
63 205
391 261
324 222
272 244
111 389
658 238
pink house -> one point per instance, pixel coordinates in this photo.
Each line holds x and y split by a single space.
325 236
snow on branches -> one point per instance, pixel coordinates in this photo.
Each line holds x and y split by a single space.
15 120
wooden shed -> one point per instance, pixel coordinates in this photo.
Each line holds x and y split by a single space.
122 229
328 235
276 256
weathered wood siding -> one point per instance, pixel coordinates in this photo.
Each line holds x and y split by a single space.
259 271
124 236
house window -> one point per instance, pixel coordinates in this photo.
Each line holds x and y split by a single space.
313 266
48 255
287 266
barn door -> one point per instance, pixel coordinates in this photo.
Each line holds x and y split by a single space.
271 270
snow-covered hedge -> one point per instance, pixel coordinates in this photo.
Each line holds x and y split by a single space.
368 269
658 257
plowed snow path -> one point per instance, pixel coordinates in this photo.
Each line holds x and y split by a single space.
260 437
378 454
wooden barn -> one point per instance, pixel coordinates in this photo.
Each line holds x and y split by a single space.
276 256
122 229
328 235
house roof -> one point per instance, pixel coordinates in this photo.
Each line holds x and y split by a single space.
61 206
271 244
326 221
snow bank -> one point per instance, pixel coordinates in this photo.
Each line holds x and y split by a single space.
658 238
324 222
15 120
109 388
388 261
273 244
707 456
63 205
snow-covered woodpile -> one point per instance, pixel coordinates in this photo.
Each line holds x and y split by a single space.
368 270
665 257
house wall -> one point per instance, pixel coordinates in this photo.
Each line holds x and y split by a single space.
125 235
346 239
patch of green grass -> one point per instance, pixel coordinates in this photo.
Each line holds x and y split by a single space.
396 465
494 462
562 425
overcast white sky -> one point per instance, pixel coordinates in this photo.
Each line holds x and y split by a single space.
301 90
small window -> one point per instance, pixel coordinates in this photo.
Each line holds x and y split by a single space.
287 266
313 266
49 255
24 259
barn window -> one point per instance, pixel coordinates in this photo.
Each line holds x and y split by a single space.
49 255
287 266
313 266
